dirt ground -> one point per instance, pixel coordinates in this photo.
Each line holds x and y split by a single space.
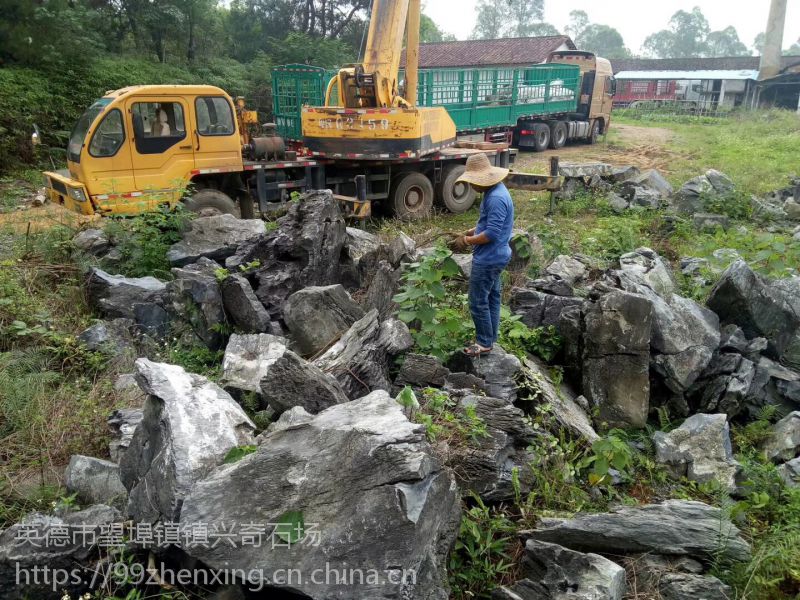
643 147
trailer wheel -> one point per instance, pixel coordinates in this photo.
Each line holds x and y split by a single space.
595 132
457 197
411 196
558 135
209 202
541 136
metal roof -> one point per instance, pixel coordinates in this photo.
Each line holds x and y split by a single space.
722 63
688 75
489 53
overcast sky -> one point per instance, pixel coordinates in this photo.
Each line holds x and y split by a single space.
635 19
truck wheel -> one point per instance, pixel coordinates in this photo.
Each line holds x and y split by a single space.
594 134
541 137
558 135
209 202
411 196
458 197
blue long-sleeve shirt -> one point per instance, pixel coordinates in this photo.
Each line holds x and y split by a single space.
496 221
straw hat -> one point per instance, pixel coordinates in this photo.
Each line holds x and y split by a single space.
480 172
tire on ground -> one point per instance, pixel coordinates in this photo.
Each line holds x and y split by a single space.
411 196
208 202
541 136
558 134
456 197
594 133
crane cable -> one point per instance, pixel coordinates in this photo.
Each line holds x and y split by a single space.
364 34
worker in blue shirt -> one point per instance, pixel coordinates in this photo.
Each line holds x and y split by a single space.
491 251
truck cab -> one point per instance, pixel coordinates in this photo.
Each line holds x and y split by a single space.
140 147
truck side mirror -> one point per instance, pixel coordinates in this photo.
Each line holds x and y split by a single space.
613 86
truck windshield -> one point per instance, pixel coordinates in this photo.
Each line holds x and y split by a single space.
78 134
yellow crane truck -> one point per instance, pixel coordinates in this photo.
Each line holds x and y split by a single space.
143 147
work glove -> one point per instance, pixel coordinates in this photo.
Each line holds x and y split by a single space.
459 245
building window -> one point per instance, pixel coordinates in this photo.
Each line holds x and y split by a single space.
640 87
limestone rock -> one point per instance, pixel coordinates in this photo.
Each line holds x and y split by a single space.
247 359
188 427
784 443
242 306
215 237
195 296
116 296
497 369
686 586
95 481
291 381
92 241
122 423
419 370
317 315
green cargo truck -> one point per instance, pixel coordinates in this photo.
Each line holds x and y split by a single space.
537 107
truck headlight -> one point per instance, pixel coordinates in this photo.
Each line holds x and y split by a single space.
77 194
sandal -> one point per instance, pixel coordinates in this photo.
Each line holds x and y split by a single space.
475 350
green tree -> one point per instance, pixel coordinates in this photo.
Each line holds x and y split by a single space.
725 43
758 43
526 18
685 37
603 40
793 50
490 19
510 18
429 31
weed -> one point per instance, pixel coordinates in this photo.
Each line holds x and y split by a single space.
521 340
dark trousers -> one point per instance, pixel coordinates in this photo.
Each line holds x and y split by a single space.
484 302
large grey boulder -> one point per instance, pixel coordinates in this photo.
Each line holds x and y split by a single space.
784 443
575 170
292 381
360 255
539 309
726 384
691 197
122 423
318 315
195 297
360 359
790 472
486 464
687 586
700 450
562 401
421 370
498 369
304 250
113 338
653 180
92 241
382 288
647 266
247 359
370 492
674 527
115 296
762 308
242 306
553 572
215 237
188 427
95 481
616 358
58 543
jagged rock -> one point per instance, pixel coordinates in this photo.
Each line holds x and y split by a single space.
792 210
420 370
47 542
700 450
784 443
654 180
732 338
122 423
464 382
618 204
790 472
195 296
92 241
570 188
109 337
647 266
188 427
125 382
646 198
566 268
115 296
724 385
304 250
95 481
692 265
360 256
710 222
402 249
674 527
562 401
693 194
538 309
215 237
585 169
498 369
382 288
291 381
360 359
464 262
553 572
317 315
648 569
616 351
762 308
242 306
624 173
248 358
685 586
363 476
